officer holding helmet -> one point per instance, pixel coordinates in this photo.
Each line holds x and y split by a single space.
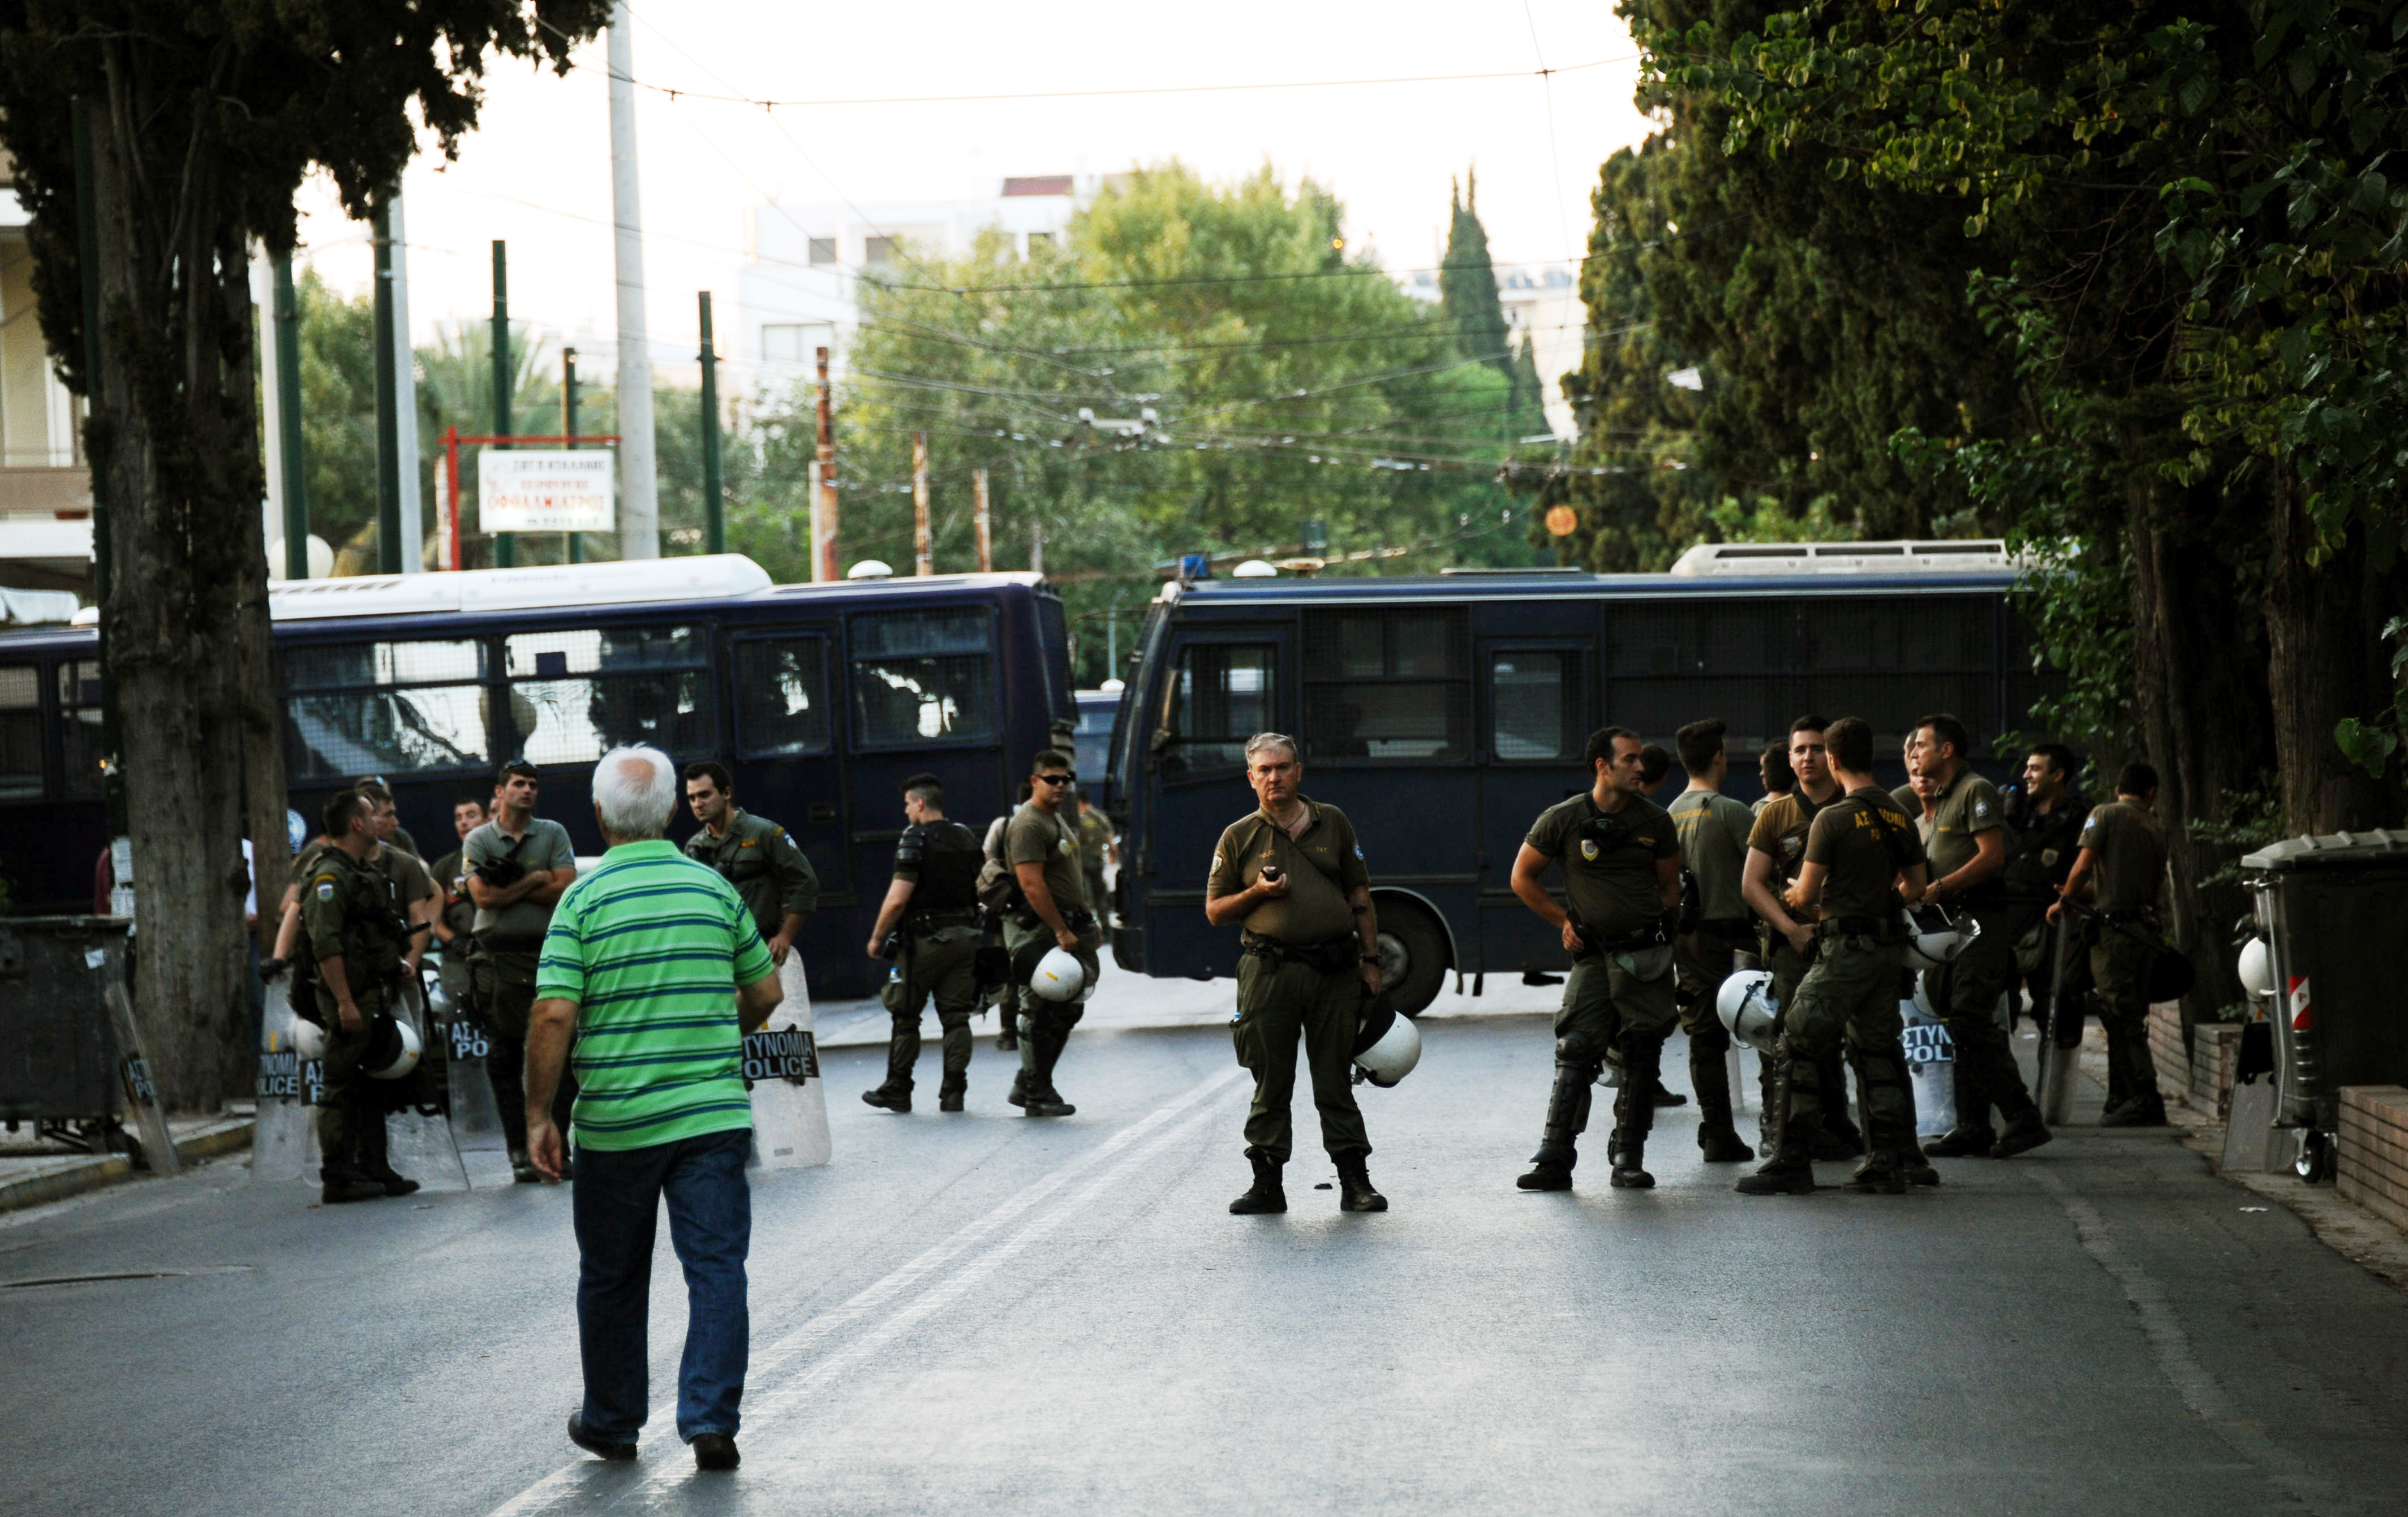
1040 844
356 939
1292 874
1621 858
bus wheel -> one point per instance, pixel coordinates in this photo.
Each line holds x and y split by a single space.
1413 955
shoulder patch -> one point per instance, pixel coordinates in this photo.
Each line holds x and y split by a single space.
1981 809
326 890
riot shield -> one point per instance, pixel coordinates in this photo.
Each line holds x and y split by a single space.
280 1138
476 1121
1930 1067
418 1136
782 1066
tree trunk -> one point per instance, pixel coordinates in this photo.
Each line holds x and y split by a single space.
2324 662
174 443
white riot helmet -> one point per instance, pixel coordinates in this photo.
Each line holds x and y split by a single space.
309 1038
1386 1046
1748 1012
1934 937
391 1055
1058 976
2257 967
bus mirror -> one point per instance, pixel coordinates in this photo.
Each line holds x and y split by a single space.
1162 741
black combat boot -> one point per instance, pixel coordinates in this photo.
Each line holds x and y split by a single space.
950 1094
2146 1109
1717 1139
1917 1169
1879 1174
1267 1194
1567 1117
1044 1100
1629 1165
1790 1171
373 1155
2025 1132
1634 1112
889 1098
1964 1143
1355 1191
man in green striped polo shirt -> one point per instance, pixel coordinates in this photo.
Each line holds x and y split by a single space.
653 961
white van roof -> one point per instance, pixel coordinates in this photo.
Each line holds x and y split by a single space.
702 577
1961 556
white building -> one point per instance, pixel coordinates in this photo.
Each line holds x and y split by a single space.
44 489
797 293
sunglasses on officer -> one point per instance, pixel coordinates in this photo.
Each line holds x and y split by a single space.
1052 779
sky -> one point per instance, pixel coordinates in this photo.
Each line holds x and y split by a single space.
537 172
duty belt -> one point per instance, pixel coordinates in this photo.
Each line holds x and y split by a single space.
1881 927
2147 914
939 920
1332 955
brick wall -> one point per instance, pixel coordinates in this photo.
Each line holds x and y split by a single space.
2372 1160
2202 1075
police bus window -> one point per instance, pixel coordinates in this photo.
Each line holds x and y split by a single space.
79 729
782 696
21 732
1387 685
576 694
1222 694
1535 698
384 707
924 677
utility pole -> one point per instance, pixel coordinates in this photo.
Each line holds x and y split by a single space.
285 335
640 506
388 425
405 389
714 508
823 550
568 430
923 561
985 541
1036 547
505 551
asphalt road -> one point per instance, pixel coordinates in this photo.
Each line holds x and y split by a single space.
985 1313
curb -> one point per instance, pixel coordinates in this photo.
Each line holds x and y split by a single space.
75 1177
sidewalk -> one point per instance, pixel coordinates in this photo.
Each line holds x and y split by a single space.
36 1174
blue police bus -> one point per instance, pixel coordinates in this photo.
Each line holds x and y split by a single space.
820 699
1444 713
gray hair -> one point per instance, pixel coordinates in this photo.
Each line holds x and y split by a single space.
635 789
1272 740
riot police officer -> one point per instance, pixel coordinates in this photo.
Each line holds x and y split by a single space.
2122 867
1862 853
932 905
1292 873
355 939
1621 858
754 854
2047 814
1713 830
1040 845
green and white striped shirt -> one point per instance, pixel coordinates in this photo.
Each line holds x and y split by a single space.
652 946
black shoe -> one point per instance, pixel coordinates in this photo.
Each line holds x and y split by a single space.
1266 1195
1019 1095
1723 1145
1665 1098
1964 1143
522 1171
2140 1111
950 1100
1048 1104
2023 1134
1547 1174
1007 1042
890 1100
1879 1175
596 1445
1779 1177
1915 1168
1628 1176
715 1451
395 1184
1355 1191
351 1188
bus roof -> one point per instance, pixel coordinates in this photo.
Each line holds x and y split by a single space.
1558 584
564 586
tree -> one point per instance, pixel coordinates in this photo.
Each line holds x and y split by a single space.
204 115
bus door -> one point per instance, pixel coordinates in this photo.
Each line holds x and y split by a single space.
1536 715
1219 688
788 767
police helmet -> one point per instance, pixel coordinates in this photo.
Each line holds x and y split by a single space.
1386 1046
1058 976
309 1038
2257 967
393 1049
1748 1012
1934 936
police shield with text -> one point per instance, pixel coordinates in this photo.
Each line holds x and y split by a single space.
1621 861
930 925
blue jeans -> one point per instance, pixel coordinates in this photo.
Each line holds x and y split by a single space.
617 1198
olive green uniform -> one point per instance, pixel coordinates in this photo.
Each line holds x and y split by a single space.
941 931
1780 832
508 942
1036 836
1863 842
1964 992
2124 881
1301 975
1619 998
1713 830
761 860
348 909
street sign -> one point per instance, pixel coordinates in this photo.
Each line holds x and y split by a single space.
550 490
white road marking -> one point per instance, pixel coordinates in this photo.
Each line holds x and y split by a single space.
2170 1345
569 1482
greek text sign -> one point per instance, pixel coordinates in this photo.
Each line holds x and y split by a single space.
547 490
